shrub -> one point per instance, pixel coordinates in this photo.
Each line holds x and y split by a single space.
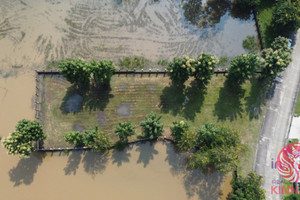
280 43
202 68
179 127
178 71
286 17
292 197
275 62
133 63
188 140
97 140
75 71
101 71
124 130
22 140
218 146
152 126
242 68
247 188
251 44
75 138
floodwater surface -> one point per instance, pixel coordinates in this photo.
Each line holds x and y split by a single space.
36 32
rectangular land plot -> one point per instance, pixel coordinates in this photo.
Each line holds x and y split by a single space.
132 97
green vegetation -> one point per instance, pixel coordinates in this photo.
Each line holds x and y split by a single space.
152 126
223 61
216 104
247 188
95 139
251 44
79 73
188 140
242 68
133 63
292 197
22 140
124 130
178 128
248 3
277 58
218 146
297 109
201 68
278 18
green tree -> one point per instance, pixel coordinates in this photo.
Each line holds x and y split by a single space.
280 43
101 71
97 139
242 68
247 188
75 71
179 127
152 126
178 71
275 62
286 17
22 140
202 68
188 140
124 130
75 138
248 3
218 146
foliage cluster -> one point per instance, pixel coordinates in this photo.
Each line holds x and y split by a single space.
124 130
152 126
78 72
201 68
95 139
247 188
22 140
251 44
133 63
248 3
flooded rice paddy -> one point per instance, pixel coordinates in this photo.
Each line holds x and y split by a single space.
36 33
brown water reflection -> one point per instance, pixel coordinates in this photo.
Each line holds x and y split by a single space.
117 175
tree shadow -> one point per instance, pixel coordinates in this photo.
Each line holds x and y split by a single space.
229 106
147 152
73 162
172 99
257 97
94 162
97 97
196 183
196 95
24 172
119 157
89 97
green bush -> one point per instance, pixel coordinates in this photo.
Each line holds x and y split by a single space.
292 197
242 68
124 130
286 17
275 62
101 71
218 146
188 140
179 127
97 139
22 140
251 44
152 126
202 68
75 138
280 43
178 71
133 63
247 188
75 71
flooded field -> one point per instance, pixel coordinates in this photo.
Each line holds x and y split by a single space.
35 32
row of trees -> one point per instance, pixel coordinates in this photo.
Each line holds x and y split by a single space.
80 73
243 67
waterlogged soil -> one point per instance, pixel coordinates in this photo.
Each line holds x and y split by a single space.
36 33
143 171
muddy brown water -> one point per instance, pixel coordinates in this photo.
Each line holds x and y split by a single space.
36 32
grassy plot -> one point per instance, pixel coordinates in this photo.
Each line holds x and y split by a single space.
66 108
265 14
